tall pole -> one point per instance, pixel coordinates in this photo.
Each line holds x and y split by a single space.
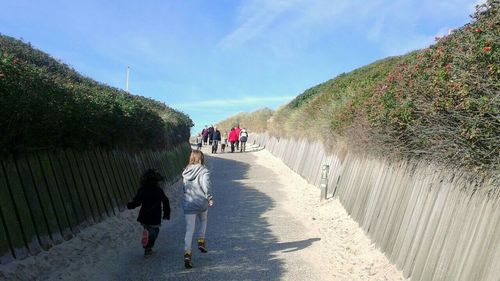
128 73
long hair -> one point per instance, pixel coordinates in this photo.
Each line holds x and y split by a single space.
196 157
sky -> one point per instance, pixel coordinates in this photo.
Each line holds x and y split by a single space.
215 58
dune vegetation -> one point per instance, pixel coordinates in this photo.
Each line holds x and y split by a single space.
440 103
45 104
256 120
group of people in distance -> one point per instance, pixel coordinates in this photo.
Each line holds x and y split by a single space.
197 199
236 138
155 205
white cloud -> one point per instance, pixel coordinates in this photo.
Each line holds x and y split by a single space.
255 17
287 27
399 27
286 23
232 102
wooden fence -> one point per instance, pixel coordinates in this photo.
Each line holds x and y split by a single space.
431 223
47 197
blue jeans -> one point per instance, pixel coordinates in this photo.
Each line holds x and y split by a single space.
215 144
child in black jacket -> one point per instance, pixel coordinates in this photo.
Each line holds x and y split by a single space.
150 197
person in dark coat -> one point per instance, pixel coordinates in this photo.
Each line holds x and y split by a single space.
204 133
216 138
210 134
150 197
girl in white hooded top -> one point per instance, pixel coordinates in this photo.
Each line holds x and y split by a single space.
197 199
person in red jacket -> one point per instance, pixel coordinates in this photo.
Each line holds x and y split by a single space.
237 130
232 138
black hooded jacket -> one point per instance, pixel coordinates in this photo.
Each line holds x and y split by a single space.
150 198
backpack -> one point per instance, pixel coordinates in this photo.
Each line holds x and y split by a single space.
244 136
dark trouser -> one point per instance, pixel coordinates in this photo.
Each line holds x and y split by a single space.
153 234
232 146
243 146
237 144
205 140
215 144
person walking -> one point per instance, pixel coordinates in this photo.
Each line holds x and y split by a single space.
232 137
210 134
150 197
243 139
238 130
204 133
216 140
223 142
199 141
197 199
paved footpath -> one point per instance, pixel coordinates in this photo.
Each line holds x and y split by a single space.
249 236
267 224
259 229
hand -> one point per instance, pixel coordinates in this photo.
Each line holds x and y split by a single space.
210 203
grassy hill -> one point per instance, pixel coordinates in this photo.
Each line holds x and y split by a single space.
441 103
46 104
256 120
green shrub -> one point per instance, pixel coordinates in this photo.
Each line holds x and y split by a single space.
441 103
46 104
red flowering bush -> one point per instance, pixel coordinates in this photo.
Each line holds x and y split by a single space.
441 103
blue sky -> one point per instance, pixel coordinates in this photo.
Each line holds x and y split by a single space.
212 59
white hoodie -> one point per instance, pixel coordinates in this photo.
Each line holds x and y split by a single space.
196 180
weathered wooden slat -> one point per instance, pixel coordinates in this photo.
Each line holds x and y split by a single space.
118 180
135 165
88 189
108 184
12 235
45 198
96 189
132 173
80 189
64 193
54 194
70 183
21 206
34 204
161 155
124 172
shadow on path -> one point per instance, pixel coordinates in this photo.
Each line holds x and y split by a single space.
240 242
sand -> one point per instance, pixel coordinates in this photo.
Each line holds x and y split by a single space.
302 238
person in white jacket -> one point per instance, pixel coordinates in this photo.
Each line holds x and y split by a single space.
197 199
